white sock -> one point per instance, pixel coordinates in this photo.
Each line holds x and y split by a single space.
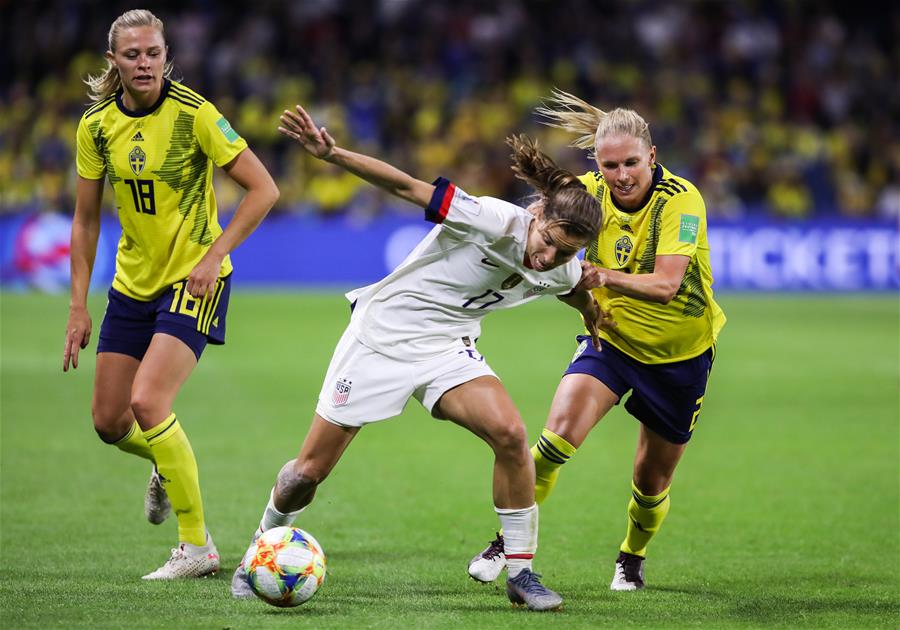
273 518
520 532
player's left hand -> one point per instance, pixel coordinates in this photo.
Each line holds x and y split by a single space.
201 282
78 335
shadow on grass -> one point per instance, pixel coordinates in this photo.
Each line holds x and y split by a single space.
425 602
773 608
405 593
405 596
795 601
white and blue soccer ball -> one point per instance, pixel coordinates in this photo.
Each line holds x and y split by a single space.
285 566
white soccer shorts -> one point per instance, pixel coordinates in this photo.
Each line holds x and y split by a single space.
363 386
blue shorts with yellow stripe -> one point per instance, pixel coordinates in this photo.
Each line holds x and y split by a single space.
665 397
129 324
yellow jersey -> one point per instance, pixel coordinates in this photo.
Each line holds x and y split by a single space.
671 222
159 164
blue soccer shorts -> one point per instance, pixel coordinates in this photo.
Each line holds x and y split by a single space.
129 324
665 397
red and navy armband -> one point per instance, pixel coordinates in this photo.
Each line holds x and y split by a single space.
441 199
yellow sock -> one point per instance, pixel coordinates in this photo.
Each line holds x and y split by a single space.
645 516
176 465
549 452
135 443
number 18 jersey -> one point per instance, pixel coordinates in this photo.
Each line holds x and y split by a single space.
471 263
159 164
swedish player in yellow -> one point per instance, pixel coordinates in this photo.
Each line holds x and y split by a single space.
156 142
654 287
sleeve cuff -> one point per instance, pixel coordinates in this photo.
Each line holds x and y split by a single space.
441 199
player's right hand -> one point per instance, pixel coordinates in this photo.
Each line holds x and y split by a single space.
78 334
595 320
592 277
300 126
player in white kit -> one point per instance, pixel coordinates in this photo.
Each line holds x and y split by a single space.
413 333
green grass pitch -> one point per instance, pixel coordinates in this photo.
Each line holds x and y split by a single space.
784 510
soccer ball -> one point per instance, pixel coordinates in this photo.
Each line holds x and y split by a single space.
285 566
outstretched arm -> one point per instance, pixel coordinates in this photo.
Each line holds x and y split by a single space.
316 141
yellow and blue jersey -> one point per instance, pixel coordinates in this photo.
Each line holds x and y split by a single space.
672 221
159 164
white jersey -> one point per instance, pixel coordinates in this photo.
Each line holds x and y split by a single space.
471 263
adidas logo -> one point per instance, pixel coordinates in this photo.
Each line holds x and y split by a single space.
137 137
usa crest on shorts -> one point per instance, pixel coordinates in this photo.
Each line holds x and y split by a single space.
341 392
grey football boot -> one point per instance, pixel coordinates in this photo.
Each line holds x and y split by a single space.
240 585
526 589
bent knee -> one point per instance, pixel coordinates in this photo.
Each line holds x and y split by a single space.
300 476
148 408
111 425
509 438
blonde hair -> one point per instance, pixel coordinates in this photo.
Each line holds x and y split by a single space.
108 82
564 200
568 112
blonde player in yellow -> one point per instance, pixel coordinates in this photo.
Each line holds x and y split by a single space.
653 278
156 142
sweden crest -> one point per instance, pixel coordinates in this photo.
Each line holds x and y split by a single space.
623 249
137 158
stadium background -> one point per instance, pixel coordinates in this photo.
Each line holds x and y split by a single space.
785 114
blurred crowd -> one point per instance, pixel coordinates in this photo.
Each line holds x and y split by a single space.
787 109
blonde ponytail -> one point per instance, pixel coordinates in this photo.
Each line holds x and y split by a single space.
568 112
104 84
